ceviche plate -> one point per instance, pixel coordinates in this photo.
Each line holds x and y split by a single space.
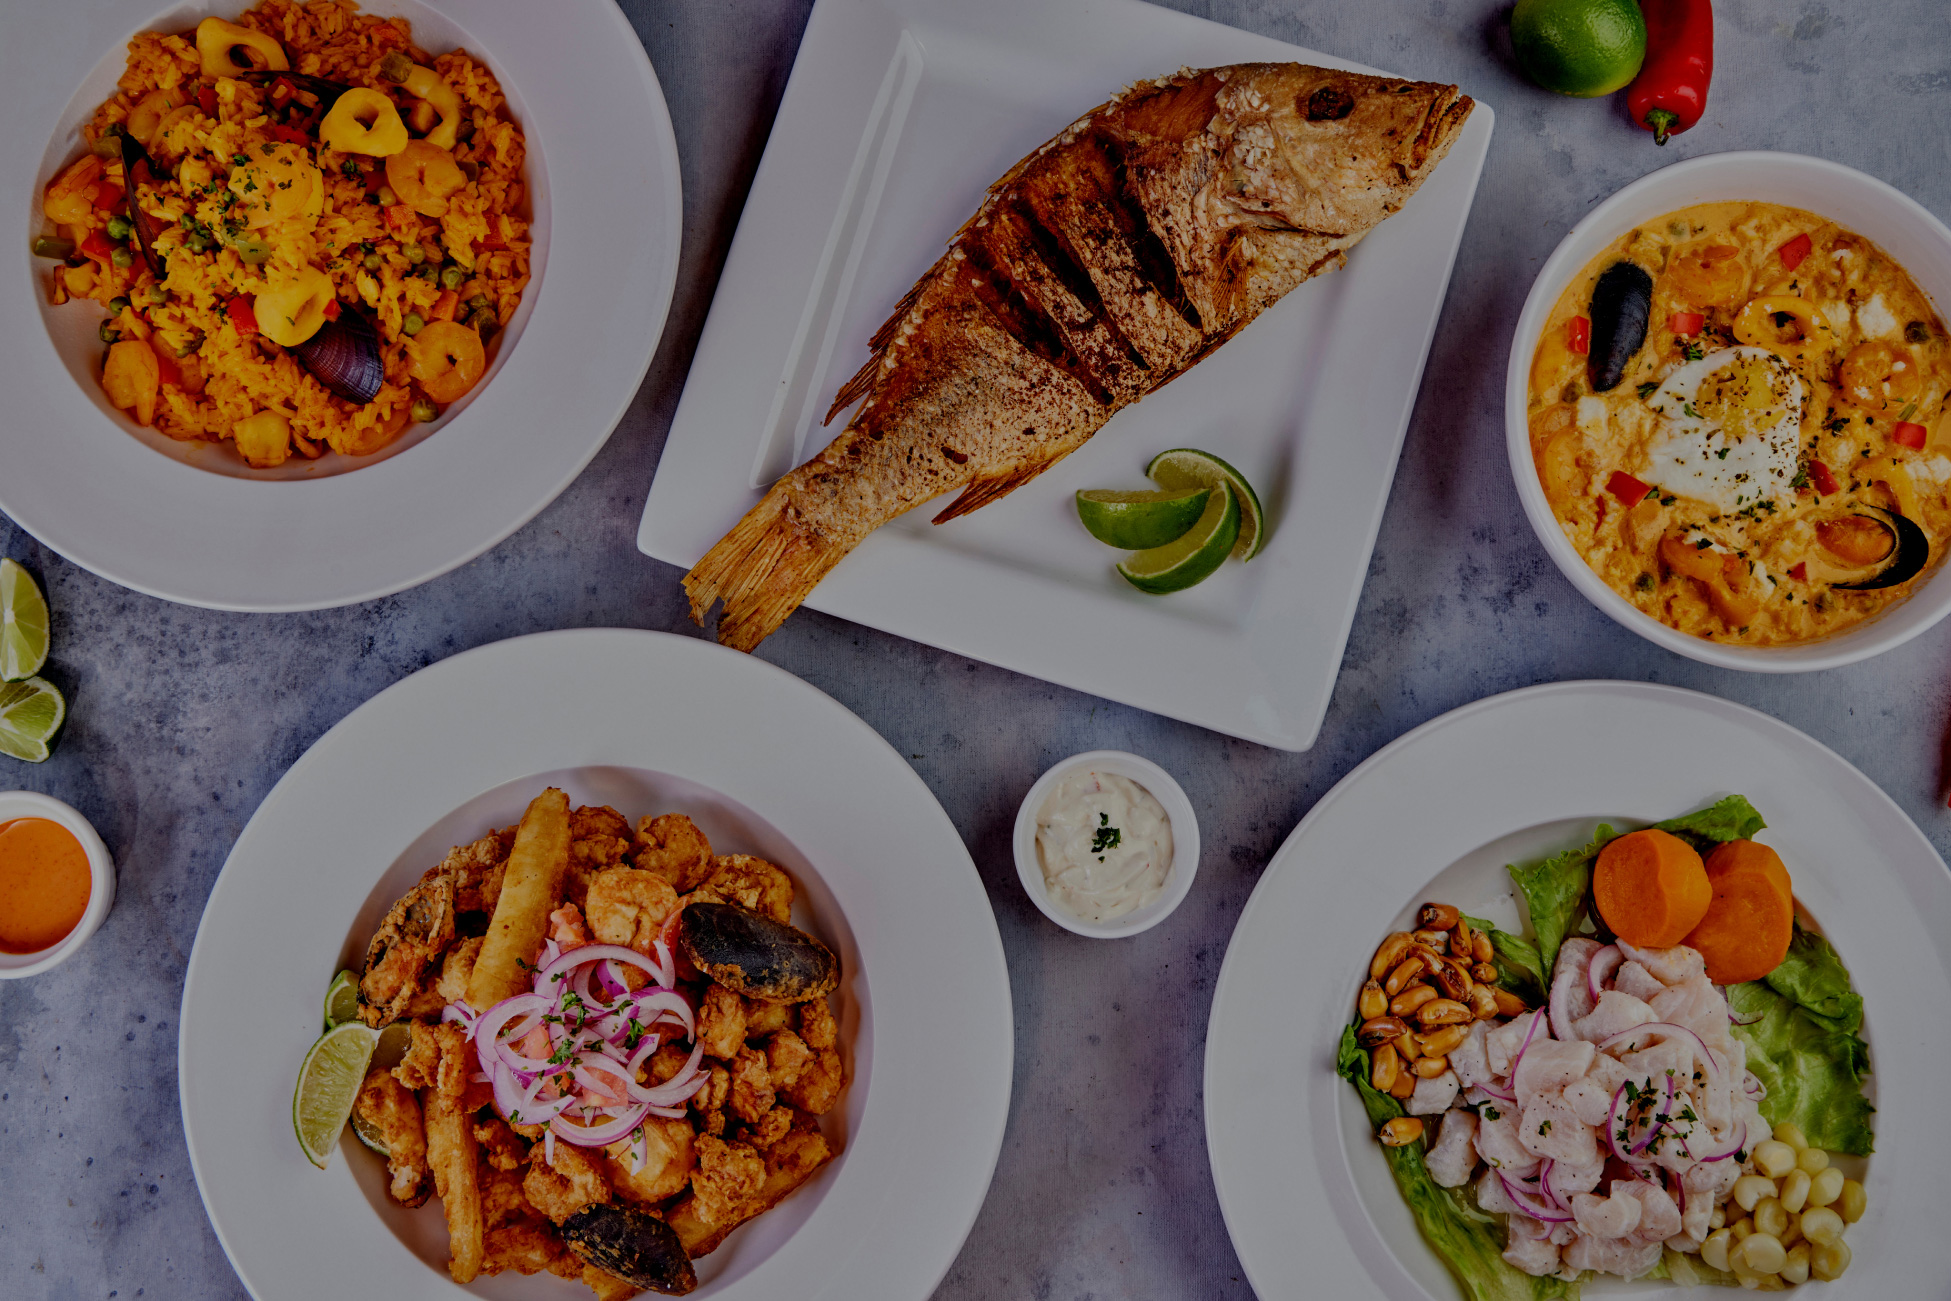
1437 814
656 723
188 521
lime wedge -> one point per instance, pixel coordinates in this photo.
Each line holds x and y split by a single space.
328 1085
342 1000
370 1134
1135 521
30 715
394 1040
1188 467
1179 564
23 624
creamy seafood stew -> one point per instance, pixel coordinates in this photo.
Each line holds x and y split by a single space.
1738 414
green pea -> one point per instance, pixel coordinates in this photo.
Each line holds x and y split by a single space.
485 322
386 196
423 411
121 257
414 253
395 67
108 332
374 261
478 302
117 306
412 325
119 227
451 277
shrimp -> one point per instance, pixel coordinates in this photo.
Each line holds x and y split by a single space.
628 906
447 360
424 176
73 196
1879 375
1709 275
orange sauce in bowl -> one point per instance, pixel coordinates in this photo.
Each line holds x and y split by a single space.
44 884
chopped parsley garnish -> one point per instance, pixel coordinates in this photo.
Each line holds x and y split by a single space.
1106 837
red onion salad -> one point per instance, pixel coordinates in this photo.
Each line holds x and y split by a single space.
600 1033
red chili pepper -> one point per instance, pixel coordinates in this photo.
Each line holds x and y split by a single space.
1628 490
1685 323
1670 92
1823 478
206 99
242 315
1794 251
1578 334
1910 435
97 245
1799 571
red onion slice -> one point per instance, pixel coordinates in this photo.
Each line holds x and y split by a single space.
1668 1029
1658 1126
1530 1030
1604 963
598 1135
1531 1204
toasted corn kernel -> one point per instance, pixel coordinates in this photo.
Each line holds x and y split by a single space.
1410 1046
1428 1068
1372 1002
1750 1189
1380 1030
1437 917
1460 939
1483 1002
1434 941
1410 999
1792 1135
1389 954
1763 1253
1449 975
1795 1266
1714 1250
1406 971
1509 1004
1383 1068
1827 1261
1822 1226
1441 1043
1483 973
1404 1086
1481 948
1443 1011
1853 1202
1825 1188
1774 1159
1400 1132
1812 1159
1771 1218
1795 1191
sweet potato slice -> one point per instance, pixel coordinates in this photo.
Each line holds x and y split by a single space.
1750 921
1651 888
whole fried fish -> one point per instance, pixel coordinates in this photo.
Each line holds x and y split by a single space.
1099 268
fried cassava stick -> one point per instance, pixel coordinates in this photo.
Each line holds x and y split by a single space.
530 887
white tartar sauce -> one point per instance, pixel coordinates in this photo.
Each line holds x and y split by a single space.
1105 845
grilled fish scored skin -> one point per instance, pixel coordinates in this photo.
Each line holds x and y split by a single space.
1101 267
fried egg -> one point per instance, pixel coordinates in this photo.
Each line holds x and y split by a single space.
1731 429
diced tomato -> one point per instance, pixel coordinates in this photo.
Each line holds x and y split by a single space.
400 220
1910 435
282 90
1628 490
446 305
96 244
1793 252
290 135
1823 478
1799 571
1685 324
1578 334
206 99
242 315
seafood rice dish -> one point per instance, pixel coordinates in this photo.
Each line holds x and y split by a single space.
616 1047
1738 415
306 231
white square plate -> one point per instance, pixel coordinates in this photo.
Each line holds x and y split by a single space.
898 116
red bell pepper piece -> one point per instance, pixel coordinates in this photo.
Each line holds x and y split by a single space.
1823 478
290 135
1628 490
1578 335
206 99
1910 435
1670 92
242 315
1799 571
96 244
108 196
1794 251
331 310
1686 324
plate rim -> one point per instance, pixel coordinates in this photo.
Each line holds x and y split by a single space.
631 655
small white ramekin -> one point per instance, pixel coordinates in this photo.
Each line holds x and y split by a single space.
101 881
1185 842
1918 241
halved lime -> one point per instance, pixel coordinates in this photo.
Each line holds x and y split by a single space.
328 1085
31 713
1188 467
394 1040
1179 564
23 624
1138 520
342 1000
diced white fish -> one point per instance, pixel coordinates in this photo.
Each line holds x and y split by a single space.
1570 975
1674 966
1615 1012
1606 1217
1631 978
1491 1197
1550 1128
1454 1156
1589 1099
1627 1257
1697 1005
1469 1060
1503 1043
1568 1179
1498 1144
1432 1097
1709 1182
1608 1073
1651 1065
1659 1218
1537 1257
1548 1066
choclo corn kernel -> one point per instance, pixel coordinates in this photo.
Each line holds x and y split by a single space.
1795 1265
1828 1261
1770 1219
1763 1253
1749 1189
1822 1226
1774 1159
1790 1134
1826 1187
1812 1159
1714 1249
1795 1191
1741 1229
1853 1202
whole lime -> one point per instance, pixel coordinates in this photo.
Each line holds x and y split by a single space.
1579 47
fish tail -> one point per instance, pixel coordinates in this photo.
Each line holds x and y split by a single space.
762 570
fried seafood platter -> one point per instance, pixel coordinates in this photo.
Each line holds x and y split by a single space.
618 1047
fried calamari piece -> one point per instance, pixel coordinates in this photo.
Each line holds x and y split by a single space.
728 1175
530 889
672 846
389 1107
751 1096
558 1187
501 1147
816 1024
437 1057
753 883
817 1086
764 1019
721 1022
670 1155
455 1159
786 1056
772 1127
628 906
455 968
502 1201
414 934
476 871
788 1164
709 1101
607 1286
527 1246
667 1061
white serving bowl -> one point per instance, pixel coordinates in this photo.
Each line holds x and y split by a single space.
1918 241
101 881
1185 842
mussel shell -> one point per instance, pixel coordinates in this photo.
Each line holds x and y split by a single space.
137 170
755 955
1905 561
1622 301
344 356
634 1245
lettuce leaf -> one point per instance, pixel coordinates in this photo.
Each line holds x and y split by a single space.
1802 1040
1469 1241
1730 819
1520 969
1554 893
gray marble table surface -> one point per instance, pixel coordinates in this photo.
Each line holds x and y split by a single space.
183 719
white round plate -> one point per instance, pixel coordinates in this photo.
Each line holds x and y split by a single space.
188 521
650 723
1437 814
1905 230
